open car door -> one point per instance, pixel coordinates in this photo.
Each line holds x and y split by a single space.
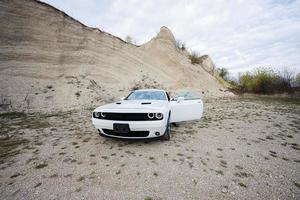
186 106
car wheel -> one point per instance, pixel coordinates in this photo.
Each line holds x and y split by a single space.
166 135
175 124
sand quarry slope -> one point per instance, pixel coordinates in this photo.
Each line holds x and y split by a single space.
50 61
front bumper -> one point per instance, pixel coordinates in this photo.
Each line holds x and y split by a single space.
151 126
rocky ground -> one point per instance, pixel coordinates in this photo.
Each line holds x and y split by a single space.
243 148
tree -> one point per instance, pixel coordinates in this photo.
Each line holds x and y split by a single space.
128 39
286 78
194 57
223 73
180 45
298 77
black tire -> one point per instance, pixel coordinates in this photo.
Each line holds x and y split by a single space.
166 135
175 124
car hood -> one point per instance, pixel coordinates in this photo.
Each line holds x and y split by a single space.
133 105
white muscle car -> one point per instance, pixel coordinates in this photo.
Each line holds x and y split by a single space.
146 114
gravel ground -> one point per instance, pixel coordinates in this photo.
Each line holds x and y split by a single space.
243 148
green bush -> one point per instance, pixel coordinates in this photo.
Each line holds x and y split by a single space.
297 78
223 73
180 45
233 84
194 57
265 81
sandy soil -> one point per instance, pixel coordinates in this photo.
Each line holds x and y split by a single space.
243 148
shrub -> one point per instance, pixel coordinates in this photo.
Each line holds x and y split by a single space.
265 81
246 82
297 78
223 73
295 83
261 81
180 45
194 57
286 78
130 40
233 84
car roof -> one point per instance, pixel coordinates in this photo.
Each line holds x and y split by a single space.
150 90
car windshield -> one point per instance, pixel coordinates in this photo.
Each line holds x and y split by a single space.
146 95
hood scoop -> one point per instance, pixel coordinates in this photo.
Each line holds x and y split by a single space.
145 103
118 103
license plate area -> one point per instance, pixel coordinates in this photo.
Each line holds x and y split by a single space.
121 128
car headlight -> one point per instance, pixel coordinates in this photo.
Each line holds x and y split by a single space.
150 115
97 114
103 115
159 115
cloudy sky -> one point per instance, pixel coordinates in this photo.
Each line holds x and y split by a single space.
237 34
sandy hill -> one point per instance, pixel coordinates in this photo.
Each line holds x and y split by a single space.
50 61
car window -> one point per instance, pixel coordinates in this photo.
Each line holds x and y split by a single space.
146 95
188 95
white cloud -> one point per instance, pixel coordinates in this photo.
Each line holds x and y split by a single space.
237 34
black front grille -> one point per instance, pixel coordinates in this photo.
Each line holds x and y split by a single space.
125 116
129 134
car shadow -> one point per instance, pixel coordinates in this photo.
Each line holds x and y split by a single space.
142 140
174 126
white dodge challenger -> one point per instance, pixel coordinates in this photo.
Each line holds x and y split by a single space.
146 114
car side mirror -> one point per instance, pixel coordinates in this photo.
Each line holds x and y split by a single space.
122 98
179 99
